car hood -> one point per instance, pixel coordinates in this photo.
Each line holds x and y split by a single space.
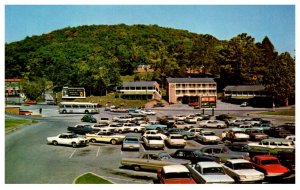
241 135
275 168
217 179
212 137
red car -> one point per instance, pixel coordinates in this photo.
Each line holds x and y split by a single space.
174 174
270 166
194 104
30 102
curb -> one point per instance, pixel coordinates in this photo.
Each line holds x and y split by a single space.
93 174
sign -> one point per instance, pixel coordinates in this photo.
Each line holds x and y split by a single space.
73 93
208 101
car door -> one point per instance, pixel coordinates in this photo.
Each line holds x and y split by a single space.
62 139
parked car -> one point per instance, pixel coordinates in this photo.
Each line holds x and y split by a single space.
213 124
186 134
255 134
223 117
102 136
50 102
289 127
153 142
191 120
82 129
174 174
182 125
244 104
131 143
208 173
158 127
25 112
278 132
151 161
273 145
242 171
31 102
68 139
236 134
223 153
243 147
89 118
270 166
179 117
175 140
208 137
195 131
148 112
194 155
154 132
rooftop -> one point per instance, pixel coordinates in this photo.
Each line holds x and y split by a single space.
245 88
190 80
175 169
208 164
139 84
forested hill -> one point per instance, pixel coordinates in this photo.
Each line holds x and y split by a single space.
95 56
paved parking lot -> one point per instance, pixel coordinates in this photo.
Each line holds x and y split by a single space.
29 159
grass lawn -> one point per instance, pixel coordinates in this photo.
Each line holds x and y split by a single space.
10 123
287 112
90 178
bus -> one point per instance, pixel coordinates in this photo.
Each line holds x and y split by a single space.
78 107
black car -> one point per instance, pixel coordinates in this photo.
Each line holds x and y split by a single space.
193 155
82 129
243 147
88 118
223 117
287 159
279 132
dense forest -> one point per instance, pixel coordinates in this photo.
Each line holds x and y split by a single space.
96 56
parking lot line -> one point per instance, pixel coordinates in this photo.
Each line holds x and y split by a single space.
72 153
98 152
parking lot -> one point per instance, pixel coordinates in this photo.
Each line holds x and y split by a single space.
44 163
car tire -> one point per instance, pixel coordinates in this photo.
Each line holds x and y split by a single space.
135 130
74 145
64 111
136 168
54 143
86 111
219 127
93 140
204 126
113 141
185 137
186 128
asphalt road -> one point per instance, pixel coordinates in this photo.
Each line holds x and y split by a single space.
30 160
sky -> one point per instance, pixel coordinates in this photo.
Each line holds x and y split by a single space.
222 21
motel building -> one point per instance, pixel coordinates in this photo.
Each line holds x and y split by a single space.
186 90
140 90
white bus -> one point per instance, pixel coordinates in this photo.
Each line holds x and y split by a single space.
78 107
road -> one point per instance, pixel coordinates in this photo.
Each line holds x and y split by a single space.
30 160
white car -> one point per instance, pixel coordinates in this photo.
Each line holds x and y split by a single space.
153 142
209 173
68 139
180 117
148 112
195 131
242 170
176 140
154 132
190 119
104 137
213 124
208 137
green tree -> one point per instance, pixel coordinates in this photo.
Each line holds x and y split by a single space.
34 89
280 78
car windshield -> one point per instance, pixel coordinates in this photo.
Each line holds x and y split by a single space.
198 153
177 175
73 136
213 171
164 156
241 166
266 162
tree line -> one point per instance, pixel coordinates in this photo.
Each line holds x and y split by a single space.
96 56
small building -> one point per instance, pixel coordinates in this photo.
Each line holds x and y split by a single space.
13 87
140 90
144 68
188 90
254 94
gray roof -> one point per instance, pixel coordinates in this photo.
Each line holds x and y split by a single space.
241 88
190 80
139 83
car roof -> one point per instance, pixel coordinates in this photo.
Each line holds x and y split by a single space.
208 164
234 161
175 169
